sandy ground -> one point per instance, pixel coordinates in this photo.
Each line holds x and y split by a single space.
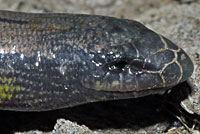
178 20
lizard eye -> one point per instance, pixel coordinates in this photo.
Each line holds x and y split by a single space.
118 66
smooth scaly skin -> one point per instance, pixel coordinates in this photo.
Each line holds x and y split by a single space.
51 61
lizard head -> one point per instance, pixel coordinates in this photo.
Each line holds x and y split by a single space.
124 55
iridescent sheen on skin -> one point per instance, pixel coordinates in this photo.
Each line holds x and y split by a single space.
52 61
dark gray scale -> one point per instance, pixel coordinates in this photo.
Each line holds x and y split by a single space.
52 61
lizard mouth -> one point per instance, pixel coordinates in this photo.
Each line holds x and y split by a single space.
162 69
126 75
